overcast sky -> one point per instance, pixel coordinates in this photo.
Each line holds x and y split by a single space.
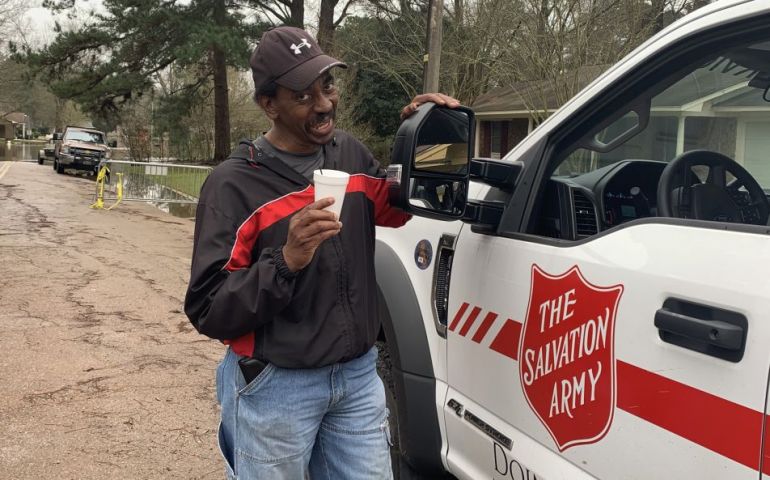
40 21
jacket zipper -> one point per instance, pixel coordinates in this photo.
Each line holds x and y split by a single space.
344 294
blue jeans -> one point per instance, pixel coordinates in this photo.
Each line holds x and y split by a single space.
294 424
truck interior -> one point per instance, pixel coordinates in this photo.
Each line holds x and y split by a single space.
694 146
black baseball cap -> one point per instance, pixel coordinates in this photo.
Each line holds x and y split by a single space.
290 57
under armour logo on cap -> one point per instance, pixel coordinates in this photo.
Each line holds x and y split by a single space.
298 48
290 57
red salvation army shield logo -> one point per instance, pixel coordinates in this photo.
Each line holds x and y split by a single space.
567 355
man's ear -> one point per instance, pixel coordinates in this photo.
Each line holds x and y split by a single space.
268 105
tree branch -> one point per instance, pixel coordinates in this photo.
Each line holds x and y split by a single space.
344 13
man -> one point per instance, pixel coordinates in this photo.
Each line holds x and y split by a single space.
290 287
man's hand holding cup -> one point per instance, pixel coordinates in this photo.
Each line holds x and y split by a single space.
318 221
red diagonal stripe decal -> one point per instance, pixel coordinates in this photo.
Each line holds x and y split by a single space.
458 316
484 328
507 341
471 318
713 422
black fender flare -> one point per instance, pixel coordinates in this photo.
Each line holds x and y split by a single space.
411 367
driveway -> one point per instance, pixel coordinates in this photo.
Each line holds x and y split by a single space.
101 373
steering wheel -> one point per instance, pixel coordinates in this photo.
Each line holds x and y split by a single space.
682 194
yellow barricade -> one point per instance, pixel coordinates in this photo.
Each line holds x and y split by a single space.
119 188
99 204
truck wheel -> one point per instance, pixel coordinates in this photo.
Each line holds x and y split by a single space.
58 167
401 469
40 160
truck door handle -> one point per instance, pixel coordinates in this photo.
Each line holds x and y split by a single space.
710 330
714 332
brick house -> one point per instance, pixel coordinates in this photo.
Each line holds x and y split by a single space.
507 114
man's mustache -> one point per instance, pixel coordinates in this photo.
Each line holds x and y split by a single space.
324 117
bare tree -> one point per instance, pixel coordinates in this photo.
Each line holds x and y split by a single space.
550 48
283 12
327 23
13 79
10 13
476 46
563 44
390 40
477 36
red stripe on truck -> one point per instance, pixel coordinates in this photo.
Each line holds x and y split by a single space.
722 426
458 316
484 328
507 341
469 323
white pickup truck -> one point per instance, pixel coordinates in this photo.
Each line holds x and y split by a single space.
79 148
597 303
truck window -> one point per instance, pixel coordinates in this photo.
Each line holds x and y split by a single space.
84 136
720 104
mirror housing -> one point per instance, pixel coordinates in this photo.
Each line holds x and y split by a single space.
496 173
429 172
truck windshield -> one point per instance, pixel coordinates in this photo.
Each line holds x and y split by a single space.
84 136
722 104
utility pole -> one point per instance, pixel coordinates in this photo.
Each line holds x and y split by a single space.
432 59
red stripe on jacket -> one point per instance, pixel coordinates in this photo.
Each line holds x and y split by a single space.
375 190
246 238
262 218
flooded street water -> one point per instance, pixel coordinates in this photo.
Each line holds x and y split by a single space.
19 151
181 210
29 151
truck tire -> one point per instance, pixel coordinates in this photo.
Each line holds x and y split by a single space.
40 160
401 468
58 166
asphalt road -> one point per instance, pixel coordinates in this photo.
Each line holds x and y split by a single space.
101 374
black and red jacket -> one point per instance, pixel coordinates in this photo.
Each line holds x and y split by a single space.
241 291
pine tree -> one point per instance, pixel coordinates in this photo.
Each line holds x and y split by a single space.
116 56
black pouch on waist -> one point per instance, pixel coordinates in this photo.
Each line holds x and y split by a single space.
251 368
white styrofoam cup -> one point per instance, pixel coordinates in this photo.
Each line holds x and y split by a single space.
331 183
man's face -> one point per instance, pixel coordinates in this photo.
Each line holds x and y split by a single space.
303 120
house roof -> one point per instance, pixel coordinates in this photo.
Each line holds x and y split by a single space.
534 94
15 117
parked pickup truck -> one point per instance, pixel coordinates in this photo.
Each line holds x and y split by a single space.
595 304
46 153
80 149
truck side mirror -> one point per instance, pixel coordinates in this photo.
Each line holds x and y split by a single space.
428 175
